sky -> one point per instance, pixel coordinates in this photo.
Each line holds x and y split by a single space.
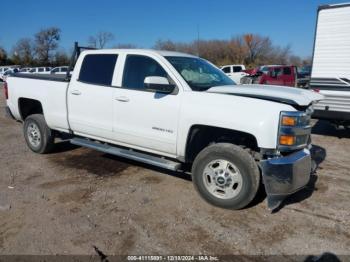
142 23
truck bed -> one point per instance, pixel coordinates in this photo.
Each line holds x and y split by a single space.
48 90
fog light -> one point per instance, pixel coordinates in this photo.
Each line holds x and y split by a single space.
286 140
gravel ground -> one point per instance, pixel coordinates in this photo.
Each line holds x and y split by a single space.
75 198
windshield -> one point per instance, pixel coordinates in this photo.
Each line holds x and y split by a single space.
199 74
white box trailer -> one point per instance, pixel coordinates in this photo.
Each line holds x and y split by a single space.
331 63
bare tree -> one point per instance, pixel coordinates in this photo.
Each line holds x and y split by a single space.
23 52
61 58
125 46
249 49
46 41
100 39
258 48
167 45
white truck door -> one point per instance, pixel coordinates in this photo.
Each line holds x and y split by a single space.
142 118
90 96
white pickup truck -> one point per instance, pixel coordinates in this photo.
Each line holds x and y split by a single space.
235 72
174 111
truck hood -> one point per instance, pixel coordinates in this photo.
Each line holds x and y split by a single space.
282 94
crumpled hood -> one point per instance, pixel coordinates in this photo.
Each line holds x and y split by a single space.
281 94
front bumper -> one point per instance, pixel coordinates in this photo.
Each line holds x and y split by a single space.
285 175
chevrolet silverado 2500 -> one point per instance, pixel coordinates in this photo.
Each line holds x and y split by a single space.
174 111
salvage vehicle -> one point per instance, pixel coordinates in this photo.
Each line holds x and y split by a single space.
235 72
282 75
330 73
175 111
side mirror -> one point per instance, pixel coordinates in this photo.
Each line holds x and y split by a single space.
259 73
158 84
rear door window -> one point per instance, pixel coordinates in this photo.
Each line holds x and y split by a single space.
237 69
98 69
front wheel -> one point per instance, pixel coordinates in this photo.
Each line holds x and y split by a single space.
226 175
38 135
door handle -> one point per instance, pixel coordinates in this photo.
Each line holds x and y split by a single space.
122 99
75 92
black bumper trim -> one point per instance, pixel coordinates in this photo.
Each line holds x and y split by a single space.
331 115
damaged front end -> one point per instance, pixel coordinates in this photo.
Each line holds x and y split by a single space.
288 168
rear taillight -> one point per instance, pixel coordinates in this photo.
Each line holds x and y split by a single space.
6 91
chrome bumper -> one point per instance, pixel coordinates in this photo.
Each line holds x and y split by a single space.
285 175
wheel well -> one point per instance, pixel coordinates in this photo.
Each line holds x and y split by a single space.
200 136
28 107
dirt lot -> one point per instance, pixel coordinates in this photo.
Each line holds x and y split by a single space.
75 198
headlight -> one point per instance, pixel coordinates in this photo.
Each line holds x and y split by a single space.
294 130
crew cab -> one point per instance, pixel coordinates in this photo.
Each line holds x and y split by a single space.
174 111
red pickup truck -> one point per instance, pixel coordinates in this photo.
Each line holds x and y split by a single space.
282 75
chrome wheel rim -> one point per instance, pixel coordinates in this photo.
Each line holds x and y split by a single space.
222 179
34 135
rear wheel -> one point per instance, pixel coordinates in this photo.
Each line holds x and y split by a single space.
38 135
225 175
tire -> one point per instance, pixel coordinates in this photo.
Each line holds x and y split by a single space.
39 137
224 161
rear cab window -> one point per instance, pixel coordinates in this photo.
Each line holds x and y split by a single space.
98 69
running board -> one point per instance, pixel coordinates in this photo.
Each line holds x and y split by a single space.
128 153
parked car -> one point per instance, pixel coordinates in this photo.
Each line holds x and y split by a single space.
235 72
40 70
60 70
3 69
304 71
25 70
174 111
304 76
8 72
282 75
331 63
